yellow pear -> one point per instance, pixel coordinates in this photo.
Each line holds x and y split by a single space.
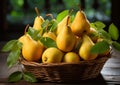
52 55
50 35
38 21
93 34
71 57
65 39
31 49
85 48
80 24
62 24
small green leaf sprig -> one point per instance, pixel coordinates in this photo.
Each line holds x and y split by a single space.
109 38
14 47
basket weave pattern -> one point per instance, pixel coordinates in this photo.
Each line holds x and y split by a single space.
65 72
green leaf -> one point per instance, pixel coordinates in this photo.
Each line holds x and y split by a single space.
116 45
61 15
53 25
35 34
113 31
29 77
18 45
9 45
99 25
100 47
48 42
15 77
104 34
13 57
45 24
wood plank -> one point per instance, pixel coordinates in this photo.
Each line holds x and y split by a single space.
110 71
112 65
111 78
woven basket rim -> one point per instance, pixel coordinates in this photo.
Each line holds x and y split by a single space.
31 63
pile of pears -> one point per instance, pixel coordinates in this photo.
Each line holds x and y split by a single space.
72 38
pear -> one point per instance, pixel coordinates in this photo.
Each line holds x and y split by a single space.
50 35
31 49
52 55
80 24
38 21
93 34
85 48
65 39
61 24
71 57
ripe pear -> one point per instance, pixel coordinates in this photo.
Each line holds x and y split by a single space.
71 57
52 55
65 39
31 49
85 48
38 21
61 24
50 35
80 24
93 34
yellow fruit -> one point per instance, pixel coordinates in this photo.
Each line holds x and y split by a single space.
38 22
50 35
65 39
85 47
71 57
31 49
52 55
62 24
80 24
93 34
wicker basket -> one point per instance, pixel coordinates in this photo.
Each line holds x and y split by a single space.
66 72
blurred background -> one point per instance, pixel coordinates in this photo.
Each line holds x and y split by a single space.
16 14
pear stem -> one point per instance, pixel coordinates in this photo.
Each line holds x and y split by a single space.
50 16
26 29
37 11
70 12
80 7
67 20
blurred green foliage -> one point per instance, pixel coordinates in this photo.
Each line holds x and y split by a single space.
18 14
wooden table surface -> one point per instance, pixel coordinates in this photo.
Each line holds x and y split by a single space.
110 74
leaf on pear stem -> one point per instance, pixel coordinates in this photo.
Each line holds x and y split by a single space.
53 26
35 34
62 14
113 31
104 34
9 45
48 42
116 45
15 77
14 47
13 57
45 25
27 76
100 47
99 25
